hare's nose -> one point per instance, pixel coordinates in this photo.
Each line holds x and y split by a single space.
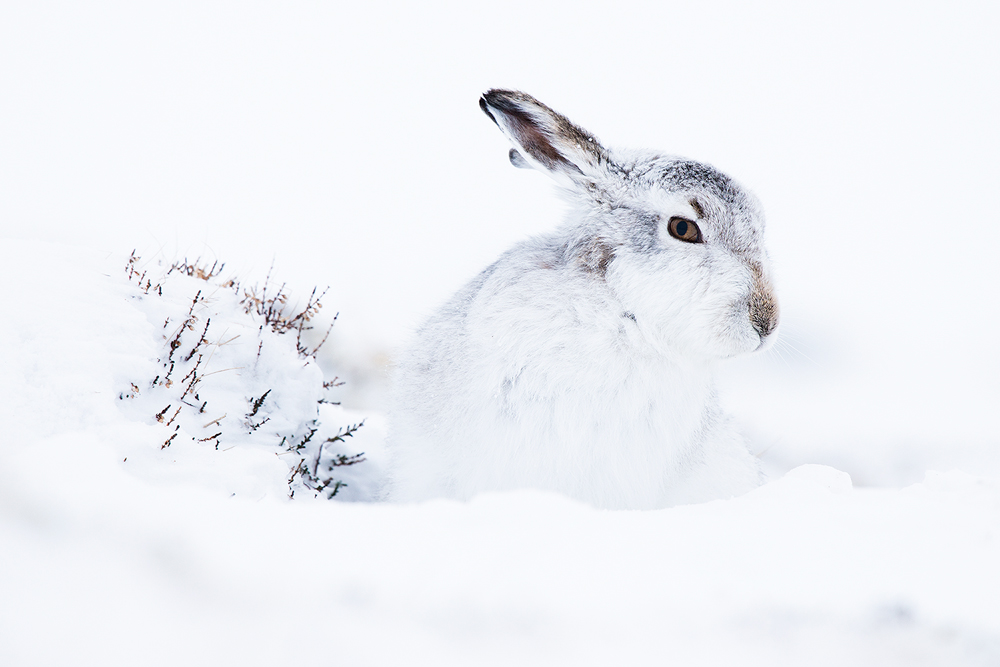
763 304
763 313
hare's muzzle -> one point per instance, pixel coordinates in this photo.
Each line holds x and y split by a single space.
763 305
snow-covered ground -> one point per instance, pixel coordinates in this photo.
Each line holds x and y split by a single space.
344 146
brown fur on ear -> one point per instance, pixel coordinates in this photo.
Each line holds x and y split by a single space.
540 131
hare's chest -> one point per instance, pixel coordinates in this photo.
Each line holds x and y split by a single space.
621 448
604 411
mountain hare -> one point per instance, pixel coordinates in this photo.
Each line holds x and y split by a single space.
581 360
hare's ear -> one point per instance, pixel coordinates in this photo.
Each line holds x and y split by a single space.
542 138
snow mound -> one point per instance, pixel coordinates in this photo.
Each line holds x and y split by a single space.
234 371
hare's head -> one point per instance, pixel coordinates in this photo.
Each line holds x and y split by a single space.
678 243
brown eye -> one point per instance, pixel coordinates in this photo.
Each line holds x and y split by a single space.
684 230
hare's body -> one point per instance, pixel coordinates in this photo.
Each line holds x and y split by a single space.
581 361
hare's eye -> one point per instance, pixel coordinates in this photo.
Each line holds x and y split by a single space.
684 230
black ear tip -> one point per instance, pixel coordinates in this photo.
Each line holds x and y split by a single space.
486 109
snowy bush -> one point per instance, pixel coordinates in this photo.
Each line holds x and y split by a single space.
237 371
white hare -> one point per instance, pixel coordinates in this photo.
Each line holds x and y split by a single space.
581 360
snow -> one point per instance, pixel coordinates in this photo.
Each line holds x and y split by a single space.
344 145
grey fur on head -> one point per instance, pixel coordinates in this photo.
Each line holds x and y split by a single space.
581 360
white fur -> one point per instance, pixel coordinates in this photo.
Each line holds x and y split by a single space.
556 370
